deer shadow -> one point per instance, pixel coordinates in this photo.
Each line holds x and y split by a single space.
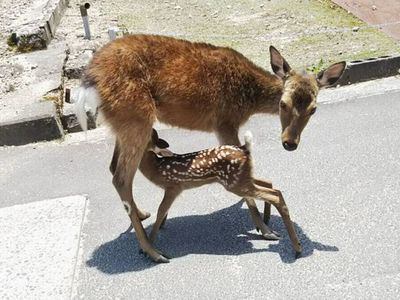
223 232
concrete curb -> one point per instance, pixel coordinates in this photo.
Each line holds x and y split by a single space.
45 127
37 34
369 69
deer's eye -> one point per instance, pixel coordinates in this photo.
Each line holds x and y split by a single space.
312 111
283 105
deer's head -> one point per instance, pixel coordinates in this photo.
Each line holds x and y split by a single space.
158 146
299 98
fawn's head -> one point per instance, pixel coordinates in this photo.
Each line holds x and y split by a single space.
299 98
158 146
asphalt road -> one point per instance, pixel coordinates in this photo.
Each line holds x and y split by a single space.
341 187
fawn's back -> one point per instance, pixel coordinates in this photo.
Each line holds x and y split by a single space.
223 164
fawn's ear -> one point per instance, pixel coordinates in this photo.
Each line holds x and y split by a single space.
331 75
163 152
278 64
162 144
154 135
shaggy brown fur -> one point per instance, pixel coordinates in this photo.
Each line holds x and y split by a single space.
141 78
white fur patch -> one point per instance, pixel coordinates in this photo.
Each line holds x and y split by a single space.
127 207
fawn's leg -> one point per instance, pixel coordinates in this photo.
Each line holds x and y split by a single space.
163 221
275 197
143 215
267 206
266 232
169 197
228 135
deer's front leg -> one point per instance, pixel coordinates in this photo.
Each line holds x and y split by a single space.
227 134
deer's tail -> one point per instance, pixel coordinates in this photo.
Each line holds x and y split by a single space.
248 139
85 99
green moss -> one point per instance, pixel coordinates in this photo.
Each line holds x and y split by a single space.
305 31
330 14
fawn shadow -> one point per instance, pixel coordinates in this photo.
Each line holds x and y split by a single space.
224 232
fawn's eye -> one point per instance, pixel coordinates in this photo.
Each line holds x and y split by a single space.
312 111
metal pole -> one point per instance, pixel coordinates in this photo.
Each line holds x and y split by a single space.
85 19
112 33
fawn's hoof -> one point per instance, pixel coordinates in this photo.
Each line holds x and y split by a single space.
159 258
272 236
297 255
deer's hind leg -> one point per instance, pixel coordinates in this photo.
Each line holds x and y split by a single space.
143 215
129 108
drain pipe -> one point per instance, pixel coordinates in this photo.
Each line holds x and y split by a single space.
85 19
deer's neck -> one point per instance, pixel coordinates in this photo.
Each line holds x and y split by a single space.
267 92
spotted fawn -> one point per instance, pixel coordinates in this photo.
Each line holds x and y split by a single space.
230 166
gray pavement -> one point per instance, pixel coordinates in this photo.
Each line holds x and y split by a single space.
341 187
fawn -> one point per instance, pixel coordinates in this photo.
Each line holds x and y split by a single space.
138 79
229 165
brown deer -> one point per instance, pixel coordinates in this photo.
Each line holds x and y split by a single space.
138 79
230 166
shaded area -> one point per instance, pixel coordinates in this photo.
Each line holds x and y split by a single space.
224 232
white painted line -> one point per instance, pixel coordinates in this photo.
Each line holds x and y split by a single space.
38 248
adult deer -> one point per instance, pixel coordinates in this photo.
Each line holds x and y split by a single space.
139 79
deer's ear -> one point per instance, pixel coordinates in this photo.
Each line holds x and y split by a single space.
278 64
162 144
331 75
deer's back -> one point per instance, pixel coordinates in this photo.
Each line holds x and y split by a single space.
188 81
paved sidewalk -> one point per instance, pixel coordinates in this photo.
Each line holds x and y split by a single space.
39 247
385 15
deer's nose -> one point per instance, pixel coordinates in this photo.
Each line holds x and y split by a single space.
289 146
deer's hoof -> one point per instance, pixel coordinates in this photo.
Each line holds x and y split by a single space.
144 216
297 255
